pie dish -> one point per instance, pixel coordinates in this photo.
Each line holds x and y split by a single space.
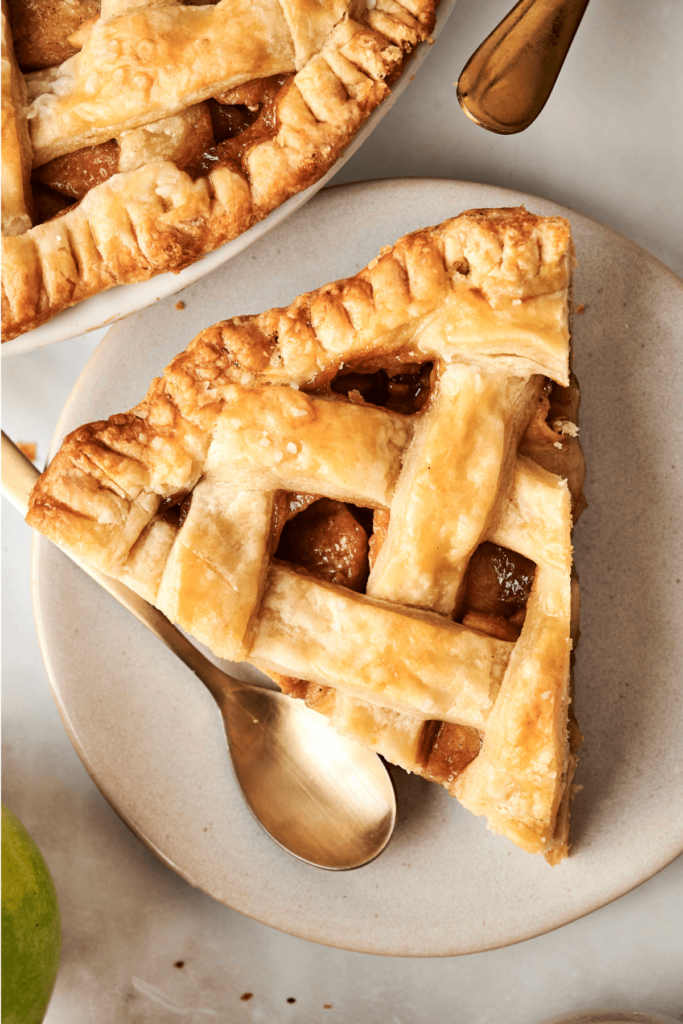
433 388
173 128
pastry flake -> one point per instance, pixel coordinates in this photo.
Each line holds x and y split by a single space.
369 495
172 128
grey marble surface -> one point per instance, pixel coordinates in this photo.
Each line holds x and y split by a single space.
608 144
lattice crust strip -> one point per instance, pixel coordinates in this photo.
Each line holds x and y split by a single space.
142 73
245 413
16 144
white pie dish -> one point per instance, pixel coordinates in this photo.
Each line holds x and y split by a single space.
110 306
156 749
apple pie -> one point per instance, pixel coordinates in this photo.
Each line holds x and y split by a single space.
369 495
139 135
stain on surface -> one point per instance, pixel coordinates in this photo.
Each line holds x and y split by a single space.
29 448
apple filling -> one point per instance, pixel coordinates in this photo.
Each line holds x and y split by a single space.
220 130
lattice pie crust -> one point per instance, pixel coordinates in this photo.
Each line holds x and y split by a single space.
251 424
125 128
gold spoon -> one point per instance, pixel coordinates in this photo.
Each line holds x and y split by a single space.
507 81
321 797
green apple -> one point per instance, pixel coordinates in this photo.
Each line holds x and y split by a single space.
31 927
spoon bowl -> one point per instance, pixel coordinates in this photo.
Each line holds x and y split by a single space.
311 789
324 799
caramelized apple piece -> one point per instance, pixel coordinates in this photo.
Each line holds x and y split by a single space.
405 392
329 542
498 581
76 173
47 203
551 440
446 749
40 29
253 100
492 625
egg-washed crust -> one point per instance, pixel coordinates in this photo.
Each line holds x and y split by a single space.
16 144
150 62
243 414
157 218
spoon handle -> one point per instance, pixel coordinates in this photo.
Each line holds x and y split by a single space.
507 81
18 478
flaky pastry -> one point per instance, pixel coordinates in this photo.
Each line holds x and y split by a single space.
426 404
173 128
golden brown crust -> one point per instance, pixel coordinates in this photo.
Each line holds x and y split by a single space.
16 145
243 418
150 62
156 218
471 289
418 280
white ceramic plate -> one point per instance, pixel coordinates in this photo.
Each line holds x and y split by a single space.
152 740
121 301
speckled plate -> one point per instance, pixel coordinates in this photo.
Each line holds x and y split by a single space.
152 739
110 306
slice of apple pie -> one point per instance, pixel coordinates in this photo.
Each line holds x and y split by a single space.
369 495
